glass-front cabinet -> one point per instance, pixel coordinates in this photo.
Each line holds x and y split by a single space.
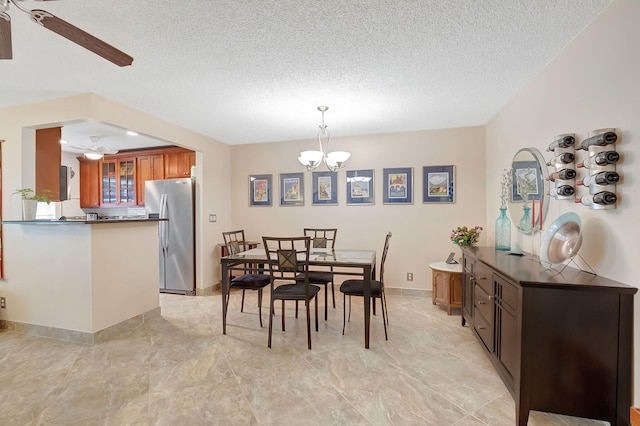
118 182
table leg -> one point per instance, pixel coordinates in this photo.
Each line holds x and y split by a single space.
224 283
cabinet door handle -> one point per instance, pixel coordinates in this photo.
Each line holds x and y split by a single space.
480 327
492 297
481 302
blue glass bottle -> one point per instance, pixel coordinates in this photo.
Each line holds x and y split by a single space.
525 223
503 230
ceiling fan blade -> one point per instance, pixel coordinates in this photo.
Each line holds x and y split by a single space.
6 51
106 150
80 37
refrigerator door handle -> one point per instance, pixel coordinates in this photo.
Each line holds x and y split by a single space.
163 228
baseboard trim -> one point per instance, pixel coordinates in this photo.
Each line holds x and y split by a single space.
110 333
209 291
413 292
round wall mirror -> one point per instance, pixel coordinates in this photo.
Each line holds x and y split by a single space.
529 198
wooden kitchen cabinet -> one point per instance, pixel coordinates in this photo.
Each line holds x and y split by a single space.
48 162
560 341
178 162
119 178
89 184
118 182
446 280
150 167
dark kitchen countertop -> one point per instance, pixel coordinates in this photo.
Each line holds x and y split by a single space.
78 221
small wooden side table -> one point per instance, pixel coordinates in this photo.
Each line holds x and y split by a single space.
447 284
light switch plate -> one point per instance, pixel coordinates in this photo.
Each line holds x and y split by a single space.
213 218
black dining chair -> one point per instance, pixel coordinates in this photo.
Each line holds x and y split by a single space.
356 288
235 243
288 262
323 238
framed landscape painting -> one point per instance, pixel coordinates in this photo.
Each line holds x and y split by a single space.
260 190
325 188
292 189
438 184
398 185
360 187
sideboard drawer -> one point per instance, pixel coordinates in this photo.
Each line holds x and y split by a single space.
482 275
483 303
484 330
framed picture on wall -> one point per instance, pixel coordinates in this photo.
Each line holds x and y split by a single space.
438 184
360 187
526 180
325 188
292 189
397 186
260 190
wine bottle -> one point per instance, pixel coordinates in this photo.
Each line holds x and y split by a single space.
563 142
602 178
603 198
562 174
600 159
601 139
559 160
563 191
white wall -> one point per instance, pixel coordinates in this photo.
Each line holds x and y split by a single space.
593 83
420 231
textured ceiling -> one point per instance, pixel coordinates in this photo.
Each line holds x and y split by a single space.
245 71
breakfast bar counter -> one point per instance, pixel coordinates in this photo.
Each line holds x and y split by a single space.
78 280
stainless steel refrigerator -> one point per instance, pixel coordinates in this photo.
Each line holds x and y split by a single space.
174 199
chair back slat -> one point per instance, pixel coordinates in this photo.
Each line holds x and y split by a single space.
234 241
322 237
384 256
288 260
288 256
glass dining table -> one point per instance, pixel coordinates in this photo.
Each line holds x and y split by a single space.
351 262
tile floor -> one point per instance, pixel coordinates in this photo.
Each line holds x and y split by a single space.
180 370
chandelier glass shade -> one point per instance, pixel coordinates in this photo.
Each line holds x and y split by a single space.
333 160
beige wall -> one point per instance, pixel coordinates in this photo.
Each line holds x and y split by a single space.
17 126
420 231
592 84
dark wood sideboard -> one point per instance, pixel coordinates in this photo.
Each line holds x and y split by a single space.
561 342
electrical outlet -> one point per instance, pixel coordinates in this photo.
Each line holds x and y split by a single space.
3 302
409 276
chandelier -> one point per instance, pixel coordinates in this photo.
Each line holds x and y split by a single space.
333 160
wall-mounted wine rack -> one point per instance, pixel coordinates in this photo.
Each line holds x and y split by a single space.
600 163
563 178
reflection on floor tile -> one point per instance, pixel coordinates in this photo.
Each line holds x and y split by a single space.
180 369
